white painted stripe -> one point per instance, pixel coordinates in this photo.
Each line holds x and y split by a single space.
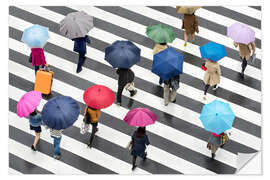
75 147
171 134
197 72
247 11
39 159
140 72
13 172
143 97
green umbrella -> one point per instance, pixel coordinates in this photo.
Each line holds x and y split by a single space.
160 33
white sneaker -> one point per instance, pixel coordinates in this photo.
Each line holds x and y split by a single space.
215 88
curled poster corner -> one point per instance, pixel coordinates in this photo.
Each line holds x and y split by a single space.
243 159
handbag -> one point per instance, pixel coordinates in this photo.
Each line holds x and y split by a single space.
224 138
30 58
87 117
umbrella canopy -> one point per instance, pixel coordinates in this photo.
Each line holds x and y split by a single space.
98 96
35 36
160 33
241 33
76 24
213 51
60 112
122 54
217 116
168 63
186 9
140 117
28 103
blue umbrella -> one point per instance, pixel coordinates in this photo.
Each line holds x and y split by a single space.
168 63
122 54
217 116
35 36
60 112
213 51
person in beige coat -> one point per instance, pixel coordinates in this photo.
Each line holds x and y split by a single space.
212 76
190 24
244 52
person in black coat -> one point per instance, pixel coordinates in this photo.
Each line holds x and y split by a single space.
139 142
80 47
125 80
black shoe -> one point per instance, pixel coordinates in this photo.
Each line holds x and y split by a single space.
222 146
118 103
133 167
33 148
57 156
132 93
79 70
89 145
174 101
213 155
241 74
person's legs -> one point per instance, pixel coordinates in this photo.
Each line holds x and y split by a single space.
213 151
173 96
243 65
80 62
94 130
36 69
166 94
119 94
134 162
36 140
185 38
192 37
56 145
206 88
215 87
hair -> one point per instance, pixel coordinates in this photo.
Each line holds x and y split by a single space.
140 132
33 113
91 108
163 43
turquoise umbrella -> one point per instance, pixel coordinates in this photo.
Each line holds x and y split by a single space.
213 51
217 116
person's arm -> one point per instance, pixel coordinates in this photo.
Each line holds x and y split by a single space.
235 44
87 39
218 70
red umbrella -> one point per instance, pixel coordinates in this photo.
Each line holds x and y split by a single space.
98 96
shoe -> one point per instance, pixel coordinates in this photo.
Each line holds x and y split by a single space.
241 74
33 148
185 44
193 41
215 88
213 155
145 157
132 93
204 97
79 70
133 167
57 156
166 103
173 101
118 104
222 146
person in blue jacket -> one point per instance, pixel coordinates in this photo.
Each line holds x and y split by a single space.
139 142
35 121
80 47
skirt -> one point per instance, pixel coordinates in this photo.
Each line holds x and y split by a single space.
36 129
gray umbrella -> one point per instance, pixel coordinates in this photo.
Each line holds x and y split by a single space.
76 24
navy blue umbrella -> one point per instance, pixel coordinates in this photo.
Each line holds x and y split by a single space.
122 54
168 63
60 112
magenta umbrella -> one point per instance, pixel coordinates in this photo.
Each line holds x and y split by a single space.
28 103
241 33
140 117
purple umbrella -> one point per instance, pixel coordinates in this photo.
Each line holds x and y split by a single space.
140 117
241 33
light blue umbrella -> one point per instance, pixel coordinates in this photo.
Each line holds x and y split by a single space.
213 51
35 36
217 116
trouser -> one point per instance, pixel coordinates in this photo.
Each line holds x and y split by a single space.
166 94
244 64
37 68
206 87
94 130
80 61
56 145
120 91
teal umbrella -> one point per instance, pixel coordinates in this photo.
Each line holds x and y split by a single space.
160 33
217 116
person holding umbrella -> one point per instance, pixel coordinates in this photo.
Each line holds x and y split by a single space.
168 65
139 117
36 37
123 55
190 21
217 117
96 97
244 37
76 26
27 106
212 52
58 114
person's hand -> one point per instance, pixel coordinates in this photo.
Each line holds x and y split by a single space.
47 65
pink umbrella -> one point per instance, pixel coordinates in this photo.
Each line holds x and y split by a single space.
28 103
241 33
140 117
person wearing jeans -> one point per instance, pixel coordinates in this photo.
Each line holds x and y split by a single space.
57 136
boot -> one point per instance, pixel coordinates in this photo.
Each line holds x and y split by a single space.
213 155
145 157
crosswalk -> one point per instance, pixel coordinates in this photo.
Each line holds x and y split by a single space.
178 140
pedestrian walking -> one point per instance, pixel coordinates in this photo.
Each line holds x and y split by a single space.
37 57
80 47
190 25
212 76
91 117
170 89
246 53
125 81
215 141
138 143
57 136
35 121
